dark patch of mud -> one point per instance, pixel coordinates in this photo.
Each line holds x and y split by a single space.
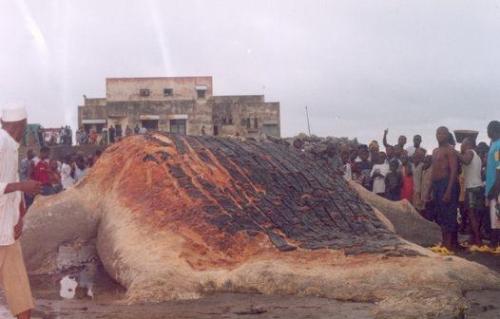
484 304
214 306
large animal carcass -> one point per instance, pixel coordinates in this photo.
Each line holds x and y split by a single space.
176 217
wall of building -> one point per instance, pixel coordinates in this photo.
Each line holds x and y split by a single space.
94 101
92 113
197 114
242 115
247 116
128 89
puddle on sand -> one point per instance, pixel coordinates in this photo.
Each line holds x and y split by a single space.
80 279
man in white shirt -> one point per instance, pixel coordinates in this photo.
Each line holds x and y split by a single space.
80 168
66 171
474 188
379 170
12 209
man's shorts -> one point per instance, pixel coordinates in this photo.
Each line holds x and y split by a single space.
446 213
495 213
14 279
474 197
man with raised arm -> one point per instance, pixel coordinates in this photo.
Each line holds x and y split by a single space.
401 140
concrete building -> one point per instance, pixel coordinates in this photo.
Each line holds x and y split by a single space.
184 105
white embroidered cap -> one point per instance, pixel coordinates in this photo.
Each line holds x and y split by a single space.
14 112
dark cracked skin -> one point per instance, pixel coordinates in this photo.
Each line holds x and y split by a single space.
249 188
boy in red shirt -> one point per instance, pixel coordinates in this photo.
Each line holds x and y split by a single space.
41 171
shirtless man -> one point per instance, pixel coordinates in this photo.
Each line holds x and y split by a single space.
445 188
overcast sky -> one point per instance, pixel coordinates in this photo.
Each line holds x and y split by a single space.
360 66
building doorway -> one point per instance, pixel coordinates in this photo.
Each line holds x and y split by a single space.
150 125
118 130
178 126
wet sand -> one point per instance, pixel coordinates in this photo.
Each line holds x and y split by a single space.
484 305
108 303
215 306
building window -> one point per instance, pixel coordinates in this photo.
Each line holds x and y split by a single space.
144 92
201 93
168 92
150 125
271 129
249 123
178 126
255 123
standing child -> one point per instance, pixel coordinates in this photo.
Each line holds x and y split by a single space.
346 164
393 182
417 167
426 188
362 167
54 176
378 173
482 150
67 173
407 173
41 171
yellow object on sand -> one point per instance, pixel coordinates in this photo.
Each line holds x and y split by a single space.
496 251
485 249
481 249
441 250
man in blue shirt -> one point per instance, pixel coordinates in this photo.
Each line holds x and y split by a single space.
493 181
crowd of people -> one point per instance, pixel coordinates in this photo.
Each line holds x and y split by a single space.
54 174
457 188
107 135
50 137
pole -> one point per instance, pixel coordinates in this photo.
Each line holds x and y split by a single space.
308 125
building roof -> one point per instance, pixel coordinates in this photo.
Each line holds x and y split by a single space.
158 78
